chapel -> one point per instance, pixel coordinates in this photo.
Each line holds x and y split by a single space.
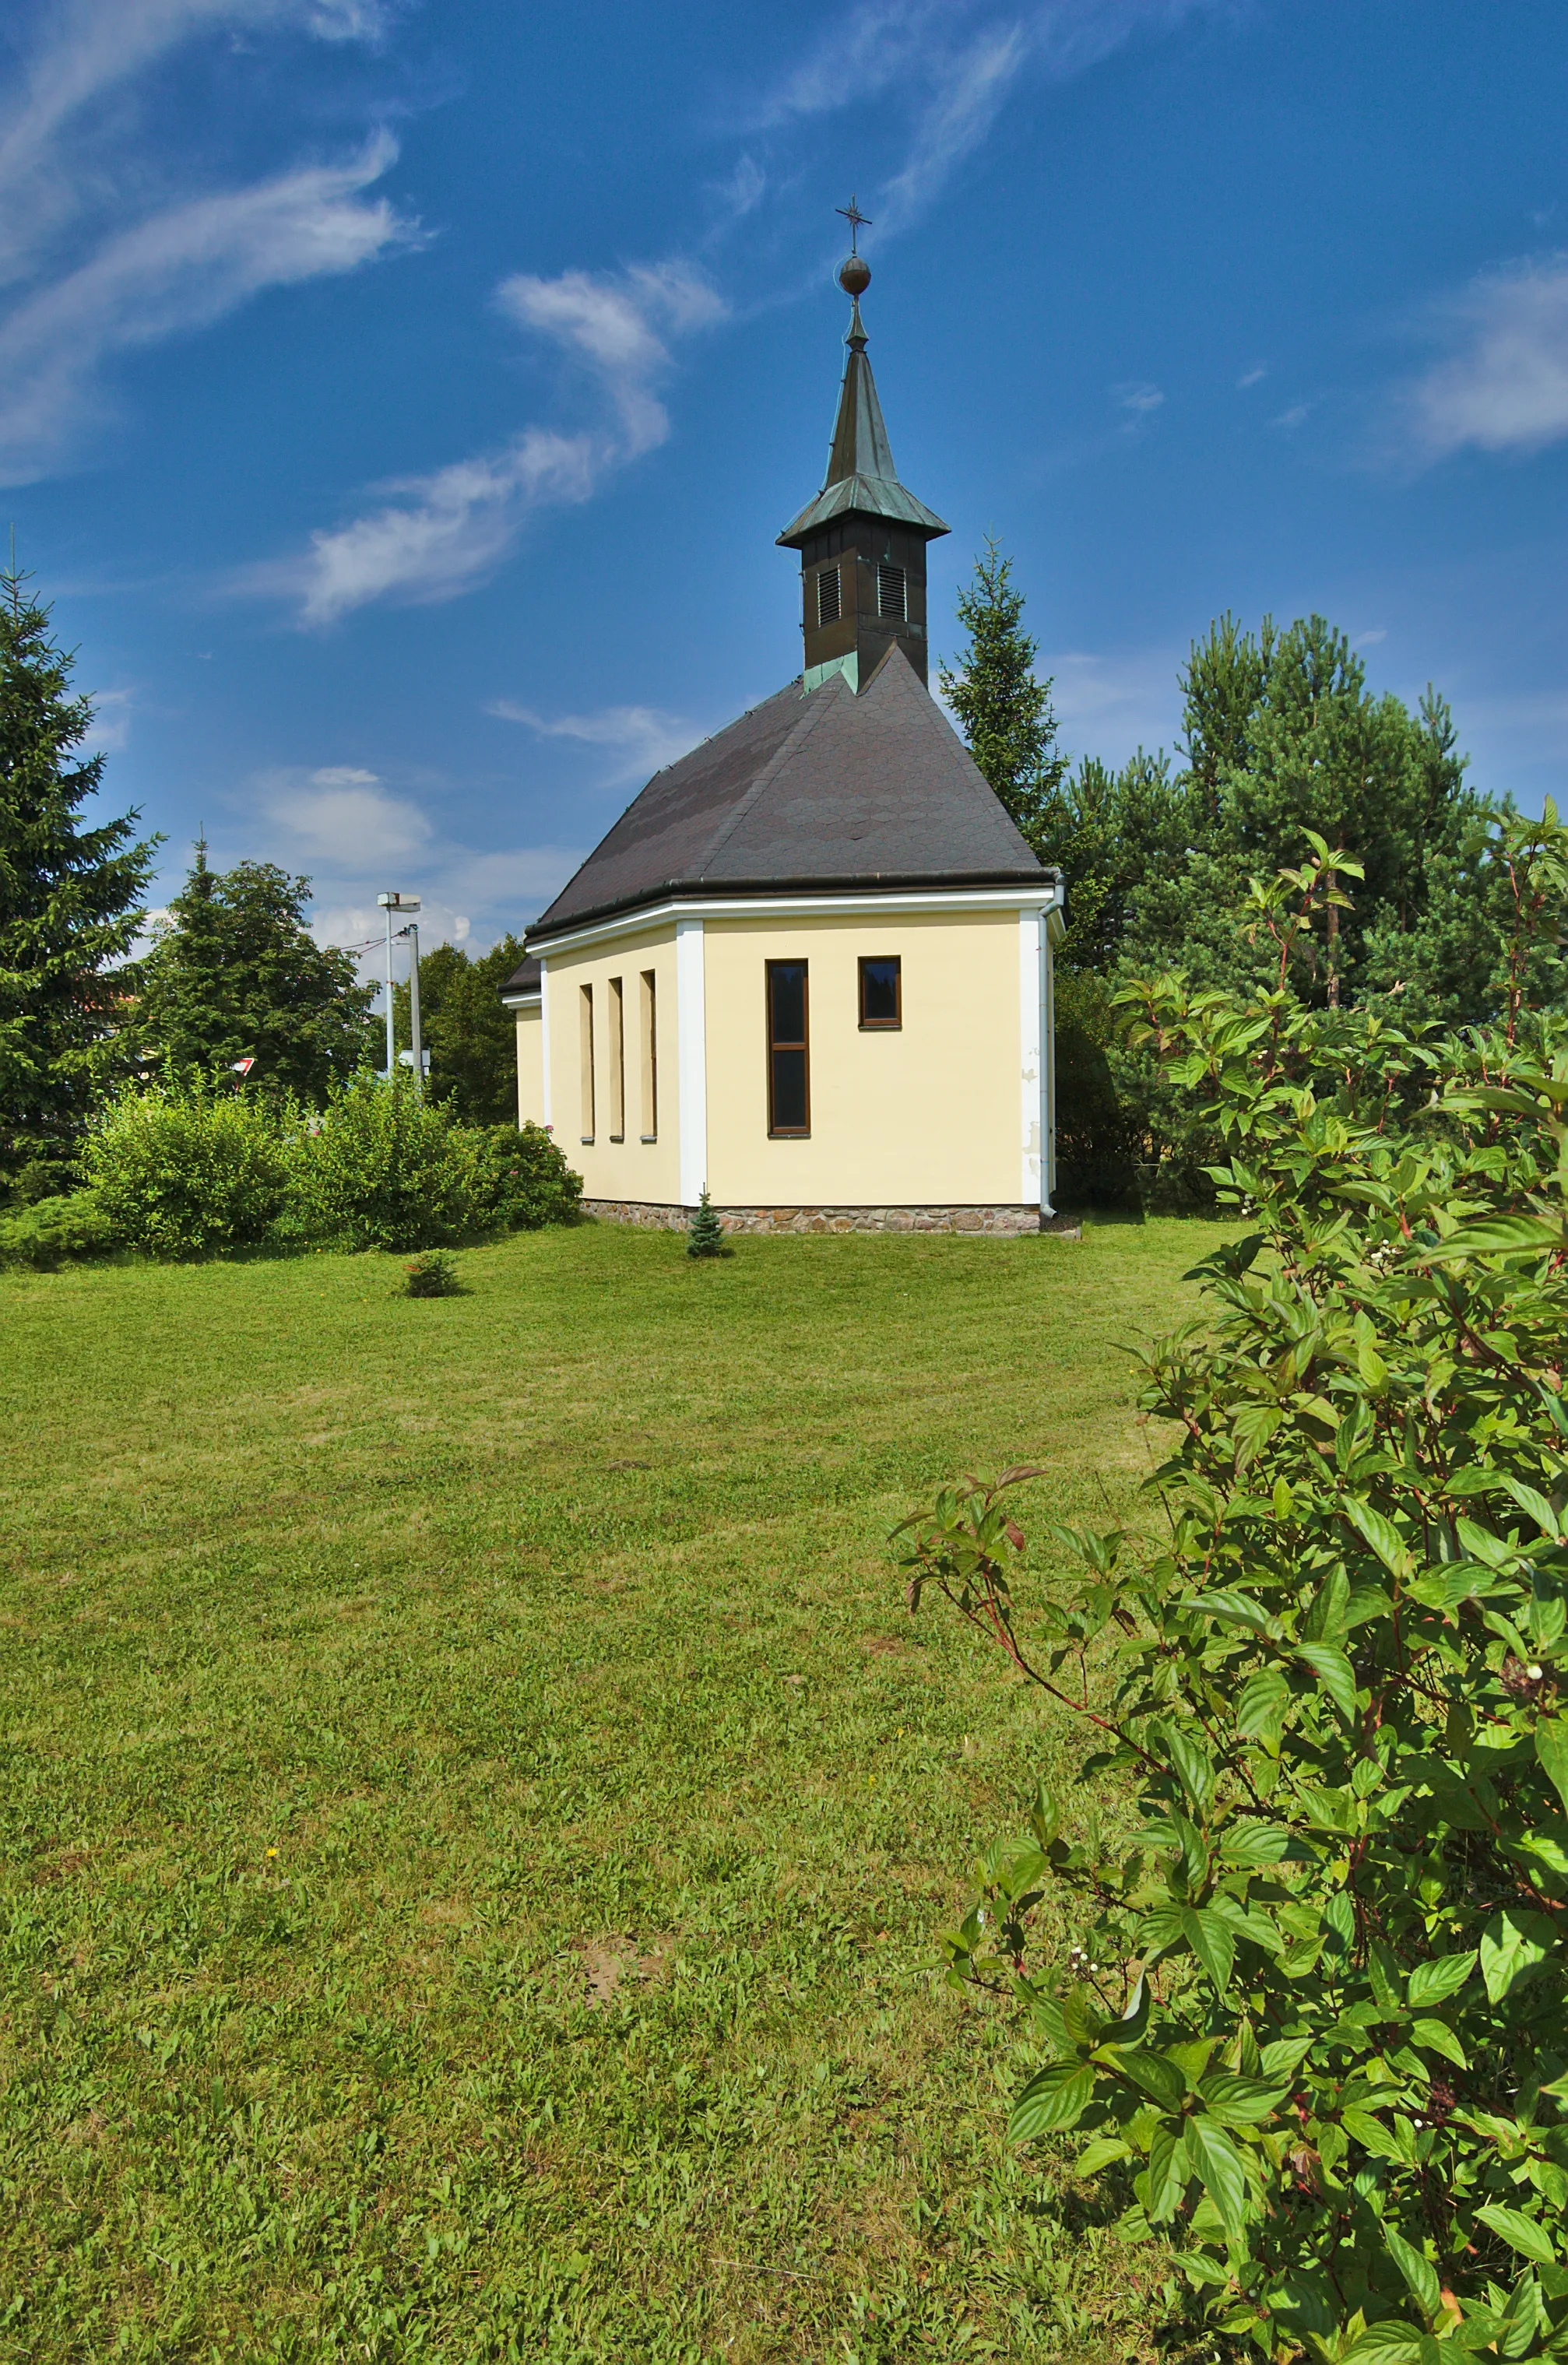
810 966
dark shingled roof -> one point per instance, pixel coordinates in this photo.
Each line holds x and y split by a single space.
525 978
829 790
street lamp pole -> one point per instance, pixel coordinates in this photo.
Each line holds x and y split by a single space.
418 1040
390 903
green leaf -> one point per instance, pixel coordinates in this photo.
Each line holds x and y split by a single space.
1536 1504
1248 1842
1496 1236
1217 2164
1444 1976
1392 2342
1211 1942
1054 2099
1551 1749
1260 1708
1235 1609
1193 1766
1155 2073
1168 2171
1514 1945
1241 2102
1284 2057
1103 2152
1333 1671
1438 2038
1416 2271
1521 2233
1381 1534
1369 2133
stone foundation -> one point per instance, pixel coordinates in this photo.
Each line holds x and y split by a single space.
991 1223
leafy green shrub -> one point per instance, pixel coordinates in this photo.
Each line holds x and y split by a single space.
434 1274
1318 2021
184 1171
383 1167
521 1179
45 1232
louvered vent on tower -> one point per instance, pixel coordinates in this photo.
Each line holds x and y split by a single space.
891 594
828 596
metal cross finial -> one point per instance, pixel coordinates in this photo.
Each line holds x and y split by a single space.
858 222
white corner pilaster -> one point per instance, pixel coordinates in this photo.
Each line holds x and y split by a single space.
1033 1180
549 1116
691 1057
1049 1057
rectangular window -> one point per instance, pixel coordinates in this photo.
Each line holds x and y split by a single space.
585 1048
828 596
890 599
881 994
617 1061
788 1067
650 1058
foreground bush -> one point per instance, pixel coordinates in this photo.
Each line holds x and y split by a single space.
1318 2022
519 1179
382 1167
180 1172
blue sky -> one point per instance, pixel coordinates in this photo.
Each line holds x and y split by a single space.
399 401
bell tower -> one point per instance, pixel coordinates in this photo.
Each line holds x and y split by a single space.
862 541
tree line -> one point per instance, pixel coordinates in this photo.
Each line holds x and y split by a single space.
1281 737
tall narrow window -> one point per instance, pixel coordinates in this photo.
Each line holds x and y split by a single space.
828 596
585 1046
890 598
788 1064
881 994
650 1058
617 1061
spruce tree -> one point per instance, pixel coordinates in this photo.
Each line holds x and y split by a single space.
70 899
236 974
1006 716
705 1234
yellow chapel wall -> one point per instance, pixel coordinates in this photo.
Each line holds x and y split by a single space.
631 1168
928 1116
530 1067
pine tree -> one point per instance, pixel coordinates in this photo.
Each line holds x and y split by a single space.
236 974
1006 715
705 1235
70 899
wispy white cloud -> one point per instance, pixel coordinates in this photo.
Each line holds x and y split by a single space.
951 65
111 722
439 534
339 815
1137 398
1251 378
177 272
1296 416
75 54
641 740
1502 385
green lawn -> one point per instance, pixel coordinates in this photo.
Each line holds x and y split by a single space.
477 1817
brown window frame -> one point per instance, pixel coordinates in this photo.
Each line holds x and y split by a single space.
882 1025
775 1044
648 998
616 997
585 1062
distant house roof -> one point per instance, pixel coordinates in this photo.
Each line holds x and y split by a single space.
829 790
525 978
860 472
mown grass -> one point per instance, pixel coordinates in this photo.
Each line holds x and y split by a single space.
476 1817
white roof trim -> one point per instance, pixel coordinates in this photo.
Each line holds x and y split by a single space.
855 903
522 1001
